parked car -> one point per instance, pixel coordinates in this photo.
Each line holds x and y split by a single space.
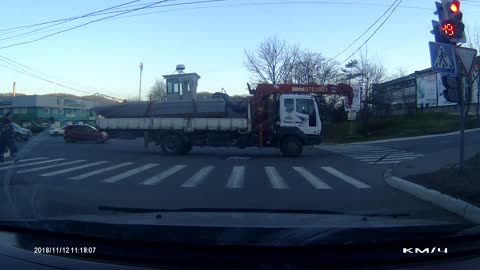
21 134
56 131
74 133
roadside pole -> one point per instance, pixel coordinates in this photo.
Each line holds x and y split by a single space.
461 92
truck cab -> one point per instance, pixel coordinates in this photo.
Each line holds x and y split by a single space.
299 116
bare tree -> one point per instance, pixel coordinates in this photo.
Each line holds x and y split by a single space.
313 68
158 92
272 62
400 73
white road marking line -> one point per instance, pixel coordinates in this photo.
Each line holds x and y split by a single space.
315 181
237 176
368 157
159 177
74 168
369 160
406 155
50 166
276 180
198 177
30 164
398 158
129 173
352 181
23 160
387 162
30 159
99 171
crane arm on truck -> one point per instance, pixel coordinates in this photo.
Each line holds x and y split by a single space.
263 91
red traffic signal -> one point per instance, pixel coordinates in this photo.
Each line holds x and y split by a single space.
455 6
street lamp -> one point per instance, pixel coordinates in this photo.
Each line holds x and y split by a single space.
140 87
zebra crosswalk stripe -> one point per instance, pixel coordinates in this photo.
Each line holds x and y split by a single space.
99 171
237 176
276 180
352 181
30 164
51 166
198 177
159 177
129 173
74 168
24 160
312 179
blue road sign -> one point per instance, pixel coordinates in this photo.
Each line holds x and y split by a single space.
442 57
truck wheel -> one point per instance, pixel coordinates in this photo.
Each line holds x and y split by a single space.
172 144
291 147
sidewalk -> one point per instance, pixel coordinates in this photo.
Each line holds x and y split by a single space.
434 162
446 188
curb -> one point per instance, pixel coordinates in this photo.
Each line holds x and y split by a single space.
454 205
415 137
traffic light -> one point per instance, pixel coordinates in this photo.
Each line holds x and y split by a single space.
452 23
449 28
451 91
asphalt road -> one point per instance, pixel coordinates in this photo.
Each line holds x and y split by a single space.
53 178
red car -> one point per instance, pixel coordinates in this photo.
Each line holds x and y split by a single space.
74 133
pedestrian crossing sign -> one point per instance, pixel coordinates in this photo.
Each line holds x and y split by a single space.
442 57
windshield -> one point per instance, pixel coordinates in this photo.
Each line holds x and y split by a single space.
298 108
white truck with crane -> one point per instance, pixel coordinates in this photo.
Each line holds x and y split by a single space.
284 116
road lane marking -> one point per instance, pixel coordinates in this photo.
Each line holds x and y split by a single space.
236 179
312 179
388 162
198 177
30 164
352 181
405 155
129 173
159 177
99 171
398 158
74 168
370 160
24 160
50 166
276 180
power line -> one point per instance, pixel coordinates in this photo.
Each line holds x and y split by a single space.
26 70
81 25
376 30
70 19
12 62
366 31
20 70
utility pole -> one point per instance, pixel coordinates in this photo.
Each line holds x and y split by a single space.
462 84
140 86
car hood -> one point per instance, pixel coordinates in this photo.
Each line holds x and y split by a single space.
230 228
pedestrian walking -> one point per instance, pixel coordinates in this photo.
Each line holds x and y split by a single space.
7 137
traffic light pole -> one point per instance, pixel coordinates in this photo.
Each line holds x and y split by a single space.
461 84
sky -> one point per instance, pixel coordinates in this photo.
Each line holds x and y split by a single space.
209 39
